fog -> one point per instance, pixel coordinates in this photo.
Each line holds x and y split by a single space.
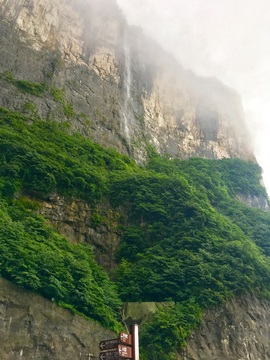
227 39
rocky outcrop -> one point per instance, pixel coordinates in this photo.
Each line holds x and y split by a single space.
126 92
254 201
35 328
238 330
77 222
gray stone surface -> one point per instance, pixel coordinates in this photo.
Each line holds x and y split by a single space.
238 330
131 91
254 201
73 219
33 328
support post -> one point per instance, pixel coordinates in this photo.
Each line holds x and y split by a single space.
135 340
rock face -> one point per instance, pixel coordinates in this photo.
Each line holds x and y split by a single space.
126 92
254 201
35 328
75 221
238 330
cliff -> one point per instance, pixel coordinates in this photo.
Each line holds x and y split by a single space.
254 201
121 88
171 230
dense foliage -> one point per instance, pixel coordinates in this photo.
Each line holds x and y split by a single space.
34 256
41 157
188 240
181 246
168 329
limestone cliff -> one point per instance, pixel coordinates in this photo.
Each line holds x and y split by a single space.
35 328
126 92
120 89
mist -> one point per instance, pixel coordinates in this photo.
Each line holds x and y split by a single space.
225 39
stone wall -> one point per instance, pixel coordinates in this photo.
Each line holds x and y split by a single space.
238 330
32 327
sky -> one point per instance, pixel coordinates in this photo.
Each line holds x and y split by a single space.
229 39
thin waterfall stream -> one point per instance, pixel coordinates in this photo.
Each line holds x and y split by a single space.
126 111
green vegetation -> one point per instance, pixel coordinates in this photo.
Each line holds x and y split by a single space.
36 89
60 97
34 256
182 247
25 87
87 121
253 222
42 157
188 240
32 110
168 330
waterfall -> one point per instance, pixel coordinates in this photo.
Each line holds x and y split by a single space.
127 82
